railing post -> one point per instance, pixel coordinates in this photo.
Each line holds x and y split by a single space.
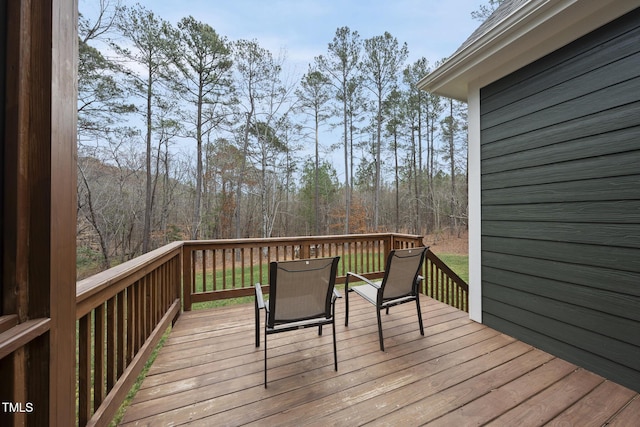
178 280
388 247
187 284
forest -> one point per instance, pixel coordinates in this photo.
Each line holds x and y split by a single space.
185 134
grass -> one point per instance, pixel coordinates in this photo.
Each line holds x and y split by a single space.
458 263
127 401
222 303
227 276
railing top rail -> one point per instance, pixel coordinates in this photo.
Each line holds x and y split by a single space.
297 239
93 290
407 236
99 282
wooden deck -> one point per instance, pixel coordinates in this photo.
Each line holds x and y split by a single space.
461 373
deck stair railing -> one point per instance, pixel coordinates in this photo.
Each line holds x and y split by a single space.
443 284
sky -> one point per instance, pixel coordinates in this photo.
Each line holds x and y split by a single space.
302 29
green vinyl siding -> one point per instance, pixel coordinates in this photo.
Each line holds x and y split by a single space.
560 165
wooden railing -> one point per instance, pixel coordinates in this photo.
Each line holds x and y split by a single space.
220 269
443 284
122 313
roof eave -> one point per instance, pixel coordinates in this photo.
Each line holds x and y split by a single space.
530 32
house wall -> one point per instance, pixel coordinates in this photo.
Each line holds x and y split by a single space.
560 183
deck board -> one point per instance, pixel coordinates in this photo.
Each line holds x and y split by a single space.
209 372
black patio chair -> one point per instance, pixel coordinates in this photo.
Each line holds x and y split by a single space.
400 284
301 295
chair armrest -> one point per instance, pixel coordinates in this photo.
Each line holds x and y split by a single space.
416 285
259 297
364 279
336 294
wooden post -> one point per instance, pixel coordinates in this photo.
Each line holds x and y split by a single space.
186 277
63 112
39 203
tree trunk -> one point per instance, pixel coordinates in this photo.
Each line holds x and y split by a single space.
452 166
148 207
347 192
240 182
397 179
378 178
195 228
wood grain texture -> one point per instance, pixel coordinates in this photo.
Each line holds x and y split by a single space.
209 372
39 206
62 251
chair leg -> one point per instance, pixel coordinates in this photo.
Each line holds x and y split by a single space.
320 330
419 316
380 331
265 358
335 348
346 304
257 310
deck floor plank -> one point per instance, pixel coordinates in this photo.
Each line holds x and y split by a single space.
551 401
507 396
209 372
597 407
629 415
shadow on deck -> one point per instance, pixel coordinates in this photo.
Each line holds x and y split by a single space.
461 373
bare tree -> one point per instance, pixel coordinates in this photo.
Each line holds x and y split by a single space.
485 10
102 24
265 100
454 135
154 44
109 196
102 107
102 100
417 104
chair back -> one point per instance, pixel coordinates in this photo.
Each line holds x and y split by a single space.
403 268
301 289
